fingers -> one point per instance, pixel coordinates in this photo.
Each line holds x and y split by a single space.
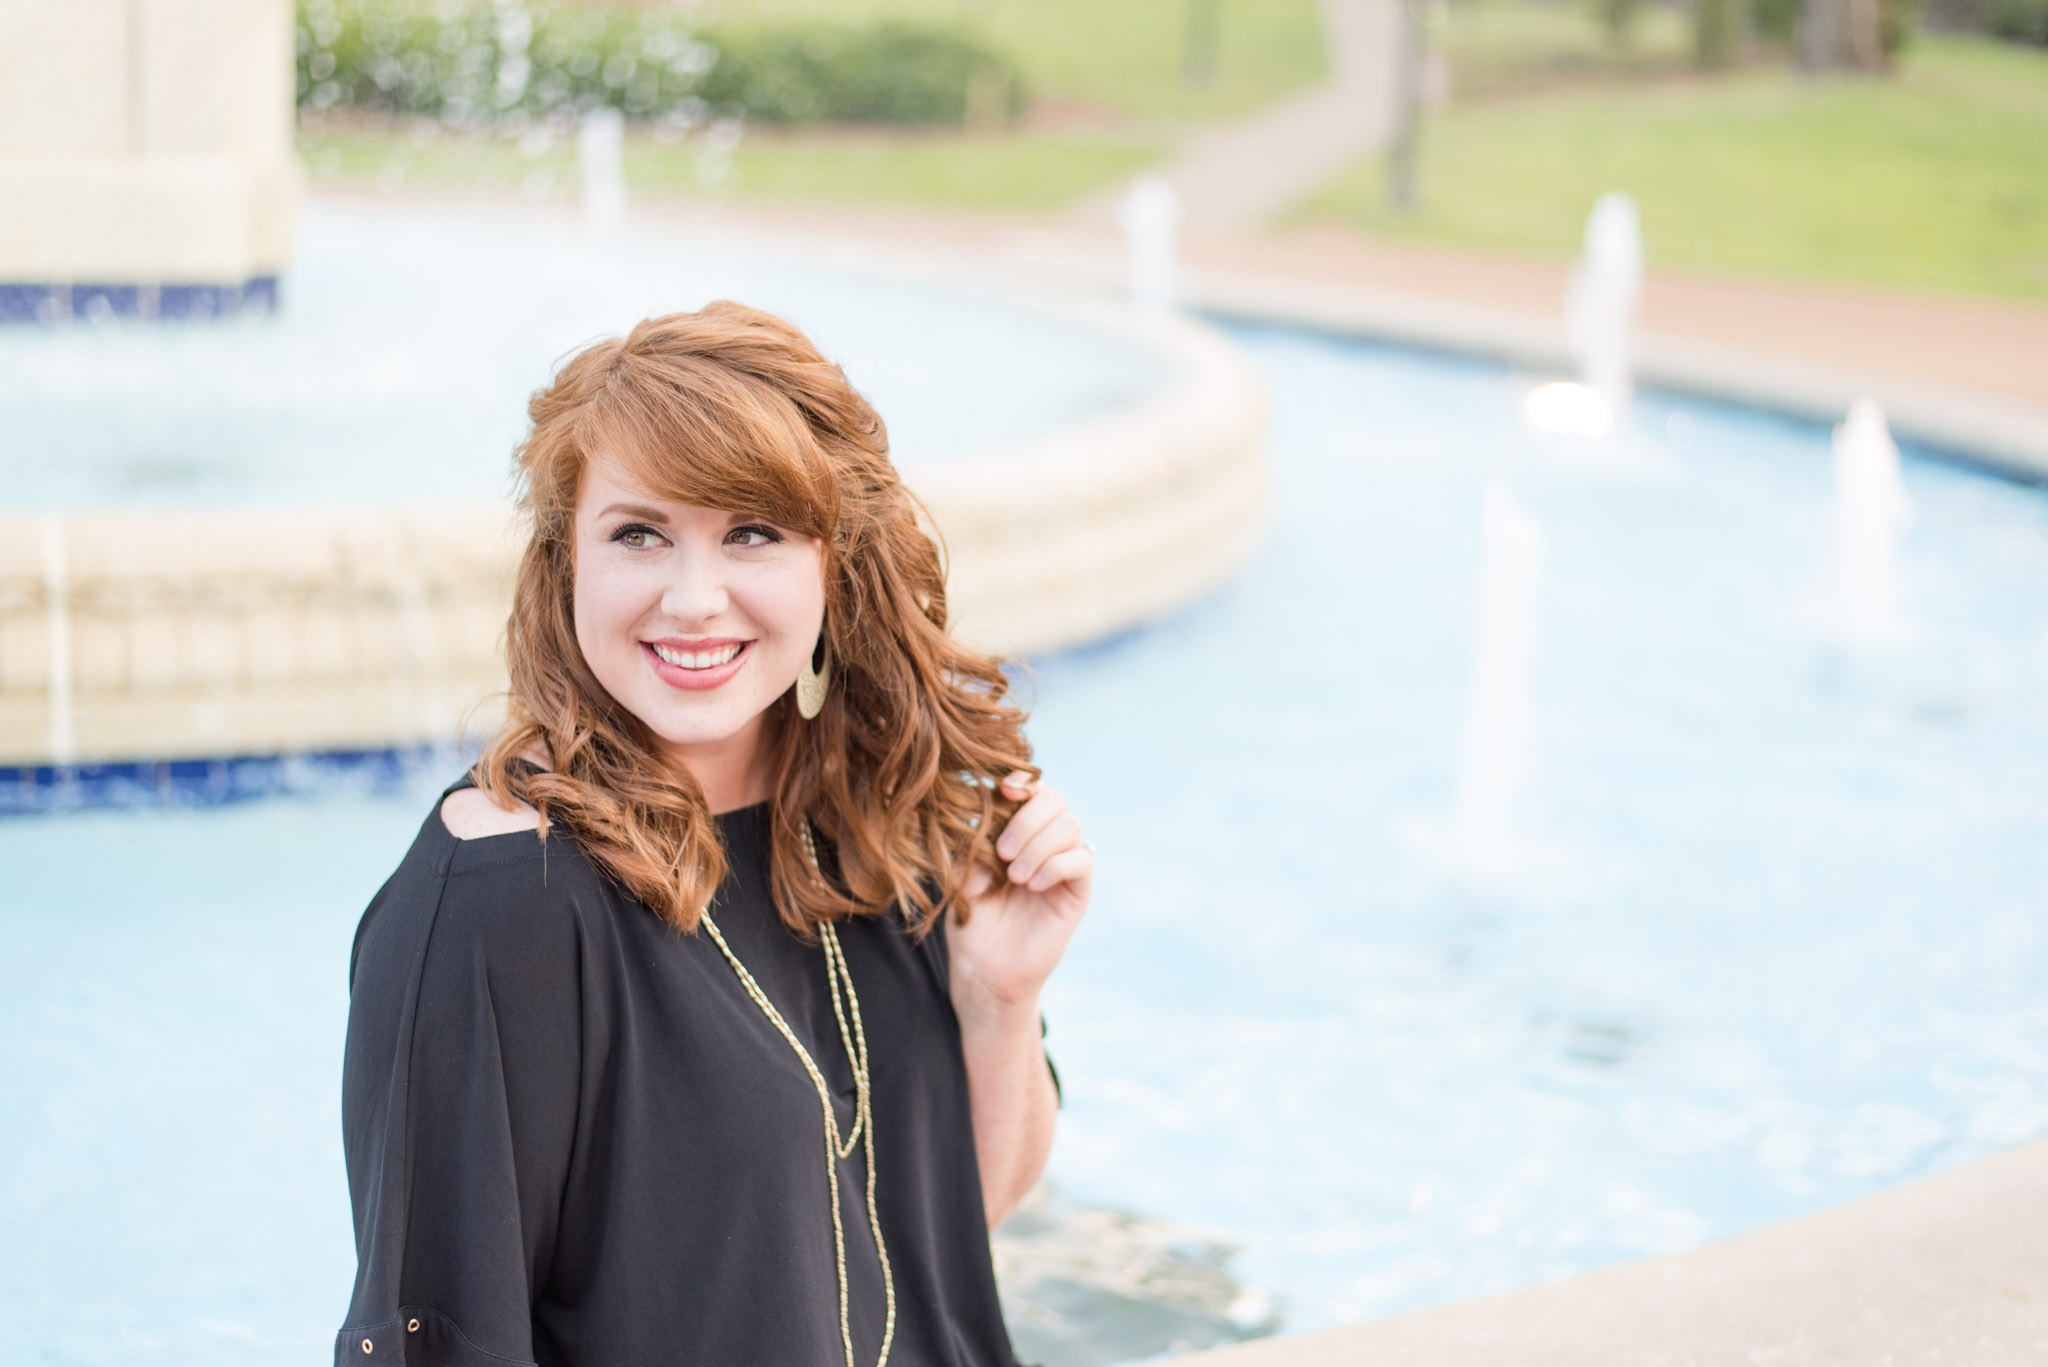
1042 843
1045 807
1063 832
1075 862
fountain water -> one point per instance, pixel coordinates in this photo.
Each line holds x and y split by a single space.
714 154
1482 841
63 725
1869 510
1500 709
1151 218
1600 302
600 150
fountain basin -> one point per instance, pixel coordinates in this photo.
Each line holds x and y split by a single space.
293 534
1787 952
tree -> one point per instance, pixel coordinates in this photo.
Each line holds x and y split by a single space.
1842 35
1198 62
1720 31
1618 17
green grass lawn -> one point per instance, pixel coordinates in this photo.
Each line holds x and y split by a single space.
1501 45
1936 176
1013 171
1119 56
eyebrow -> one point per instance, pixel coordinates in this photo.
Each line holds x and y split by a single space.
649 513
639 510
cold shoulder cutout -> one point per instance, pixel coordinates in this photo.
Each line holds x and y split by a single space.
473 814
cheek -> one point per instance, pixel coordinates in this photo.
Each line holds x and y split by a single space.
606 607
797 602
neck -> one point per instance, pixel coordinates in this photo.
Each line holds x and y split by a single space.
732 772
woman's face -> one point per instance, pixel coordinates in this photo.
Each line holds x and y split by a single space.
694 619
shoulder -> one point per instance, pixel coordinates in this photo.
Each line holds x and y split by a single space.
473 814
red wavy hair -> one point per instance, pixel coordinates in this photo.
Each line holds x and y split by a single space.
733 408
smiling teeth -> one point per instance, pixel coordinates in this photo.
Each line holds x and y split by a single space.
698 659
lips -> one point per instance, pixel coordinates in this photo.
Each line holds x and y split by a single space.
696 664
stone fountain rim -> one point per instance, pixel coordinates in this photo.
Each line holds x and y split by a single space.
2001 435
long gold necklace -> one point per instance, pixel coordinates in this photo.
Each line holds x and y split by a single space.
837 976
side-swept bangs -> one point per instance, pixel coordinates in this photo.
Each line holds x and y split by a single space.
692 431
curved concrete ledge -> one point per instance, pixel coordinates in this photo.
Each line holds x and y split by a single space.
138 635
2005 434
1949 1269
1053 544
129 635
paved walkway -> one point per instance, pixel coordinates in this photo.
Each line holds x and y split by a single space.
1237 175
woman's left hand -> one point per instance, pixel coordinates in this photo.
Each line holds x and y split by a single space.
1019 925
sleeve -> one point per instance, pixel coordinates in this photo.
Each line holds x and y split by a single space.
1059 1093
459 1103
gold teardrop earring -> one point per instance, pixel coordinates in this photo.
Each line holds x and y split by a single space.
813 679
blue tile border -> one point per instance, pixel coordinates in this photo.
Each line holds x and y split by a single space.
33 790
56 303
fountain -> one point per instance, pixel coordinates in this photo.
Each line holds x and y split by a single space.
1799 960
1497 745
1864 601
1481 841
600 152
1150 216
62 735
1600 305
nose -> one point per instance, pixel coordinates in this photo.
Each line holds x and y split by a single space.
696 591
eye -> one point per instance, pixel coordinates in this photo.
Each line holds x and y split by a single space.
638 536
753 534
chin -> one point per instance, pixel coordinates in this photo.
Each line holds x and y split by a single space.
693 727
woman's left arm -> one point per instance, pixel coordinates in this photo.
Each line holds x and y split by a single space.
1017 930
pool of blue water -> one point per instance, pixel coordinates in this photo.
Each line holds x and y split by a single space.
400 363
1783 949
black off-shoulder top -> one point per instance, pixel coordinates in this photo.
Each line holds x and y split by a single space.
574 1141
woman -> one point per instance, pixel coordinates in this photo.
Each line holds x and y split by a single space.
700 1024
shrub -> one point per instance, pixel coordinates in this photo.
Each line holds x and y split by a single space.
479 62
476 62
885 73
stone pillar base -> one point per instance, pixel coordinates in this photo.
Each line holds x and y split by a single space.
177 237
